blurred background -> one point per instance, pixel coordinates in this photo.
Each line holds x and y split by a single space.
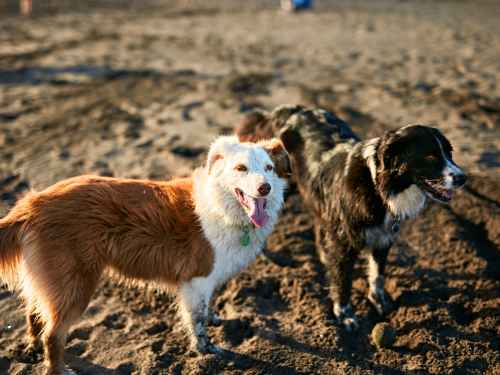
132 88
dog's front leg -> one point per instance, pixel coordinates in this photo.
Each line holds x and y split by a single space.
339 260
194 301
377 295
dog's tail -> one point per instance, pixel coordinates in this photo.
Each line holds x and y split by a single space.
11 227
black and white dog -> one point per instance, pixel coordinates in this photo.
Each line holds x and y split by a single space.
358 191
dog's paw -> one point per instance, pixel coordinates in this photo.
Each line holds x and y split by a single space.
380 301
29 353
346 317
208 348
350 324
33 349
214 349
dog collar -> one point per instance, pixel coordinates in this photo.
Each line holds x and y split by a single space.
245 236
396 224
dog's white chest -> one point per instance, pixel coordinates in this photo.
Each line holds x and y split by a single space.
232 252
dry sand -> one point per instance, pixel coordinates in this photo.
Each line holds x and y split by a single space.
141 91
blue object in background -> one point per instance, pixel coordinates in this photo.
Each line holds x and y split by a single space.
302 4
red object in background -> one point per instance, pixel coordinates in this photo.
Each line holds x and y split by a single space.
25 7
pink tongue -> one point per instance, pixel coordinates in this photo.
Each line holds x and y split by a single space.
448 194
257 213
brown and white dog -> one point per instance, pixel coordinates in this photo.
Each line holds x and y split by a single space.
189 235
359 192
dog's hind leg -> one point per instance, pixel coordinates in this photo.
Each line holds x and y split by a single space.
53 341
35 327
64 306
61 287
194 299
376 265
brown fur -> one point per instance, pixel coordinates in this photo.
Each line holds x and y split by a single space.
278 155
254 127
62 239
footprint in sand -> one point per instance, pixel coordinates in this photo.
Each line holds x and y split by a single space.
78 348
164 360
157 346
80 334
156 328
126 368
187 152
114 321
237 330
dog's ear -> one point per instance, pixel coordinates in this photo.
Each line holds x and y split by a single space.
393 170
217 151
279 156
391 149
211 161
291 139
254 127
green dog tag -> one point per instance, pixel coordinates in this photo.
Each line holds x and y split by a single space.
245 237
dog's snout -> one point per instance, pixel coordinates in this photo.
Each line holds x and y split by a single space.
264 189
459 179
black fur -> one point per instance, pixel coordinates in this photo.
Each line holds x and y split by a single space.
349 201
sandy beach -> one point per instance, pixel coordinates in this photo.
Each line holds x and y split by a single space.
140 89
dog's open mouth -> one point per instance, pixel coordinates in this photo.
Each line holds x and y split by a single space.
437 191
254 207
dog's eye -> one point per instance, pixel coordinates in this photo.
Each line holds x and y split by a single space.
241 168
431 158
269 168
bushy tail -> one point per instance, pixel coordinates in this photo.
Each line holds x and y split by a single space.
10 249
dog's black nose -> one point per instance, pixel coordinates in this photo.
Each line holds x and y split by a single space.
459 179
264 189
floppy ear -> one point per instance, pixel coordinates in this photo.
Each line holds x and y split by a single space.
212 159
290 139
394 166
217 150
279 156
390 150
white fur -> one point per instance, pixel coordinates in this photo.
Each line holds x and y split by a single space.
450 169
347 165
375 279
408 203
222 217
368 152
345 315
